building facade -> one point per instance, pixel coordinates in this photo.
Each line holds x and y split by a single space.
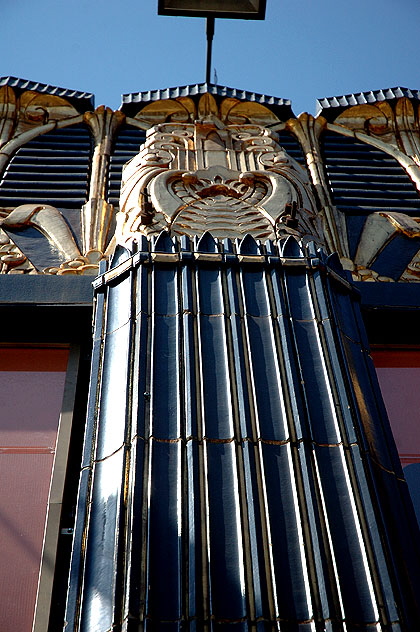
237 445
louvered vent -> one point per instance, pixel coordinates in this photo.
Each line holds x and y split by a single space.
50 169
126 147
292 146
364 179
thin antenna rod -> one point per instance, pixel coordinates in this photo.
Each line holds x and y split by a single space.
210 35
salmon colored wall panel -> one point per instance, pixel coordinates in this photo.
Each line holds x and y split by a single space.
31 394
25 480
400 388
30 408
398 372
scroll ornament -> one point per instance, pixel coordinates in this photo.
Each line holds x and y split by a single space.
230 181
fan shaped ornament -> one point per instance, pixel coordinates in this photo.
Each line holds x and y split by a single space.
228 179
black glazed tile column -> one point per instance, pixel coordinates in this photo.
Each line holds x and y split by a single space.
239 471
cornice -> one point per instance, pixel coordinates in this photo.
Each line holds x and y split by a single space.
331 107
83 101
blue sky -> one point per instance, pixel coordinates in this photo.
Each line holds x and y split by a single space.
304 50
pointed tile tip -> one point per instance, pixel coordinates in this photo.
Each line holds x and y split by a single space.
290 247
207 243
248 246
119 255
164 243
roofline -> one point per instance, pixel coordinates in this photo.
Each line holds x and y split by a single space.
362 98
199 89
77 96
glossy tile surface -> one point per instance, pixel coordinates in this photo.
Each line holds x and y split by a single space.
230 486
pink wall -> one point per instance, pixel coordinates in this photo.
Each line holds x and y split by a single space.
398 373
31 392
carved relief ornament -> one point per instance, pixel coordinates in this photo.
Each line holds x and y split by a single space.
49 222
230 180
24 118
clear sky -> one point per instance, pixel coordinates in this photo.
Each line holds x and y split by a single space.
304 50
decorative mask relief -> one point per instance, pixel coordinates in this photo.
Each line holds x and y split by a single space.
231 180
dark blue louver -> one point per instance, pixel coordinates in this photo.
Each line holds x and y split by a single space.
239 472
363 180
126 147
292 146
52 168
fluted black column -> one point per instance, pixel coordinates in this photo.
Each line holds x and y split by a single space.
239 472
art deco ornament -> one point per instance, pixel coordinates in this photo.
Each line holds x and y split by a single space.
231 180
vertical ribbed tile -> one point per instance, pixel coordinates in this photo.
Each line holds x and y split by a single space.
240 348
196 590
99 607
263 357
141 374
114 391
164 567
227 581
348 545
321 405
262 587
137 501
294 384
228 486
288 557
164 388
375 426
164 351
270 406
375 534
214 369
91 601
325 592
